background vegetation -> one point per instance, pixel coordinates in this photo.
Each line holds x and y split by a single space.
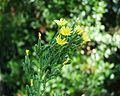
95 68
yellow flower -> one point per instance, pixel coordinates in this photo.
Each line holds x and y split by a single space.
85 37
66 61
39 35
79 30
60 41
27 52
31 82
60 22
65 31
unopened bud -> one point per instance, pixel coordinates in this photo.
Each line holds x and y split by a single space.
27 52
39 35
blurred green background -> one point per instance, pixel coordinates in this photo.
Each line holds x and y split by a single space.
95 68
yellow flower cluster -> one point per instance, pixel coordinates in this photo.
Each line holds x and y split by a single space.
66 31
61 41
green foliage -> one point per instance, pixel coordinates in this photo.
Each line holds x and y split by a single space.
47 61
88 71
112 11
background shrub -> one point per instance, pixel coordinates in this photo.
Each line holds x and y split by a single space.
20 22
